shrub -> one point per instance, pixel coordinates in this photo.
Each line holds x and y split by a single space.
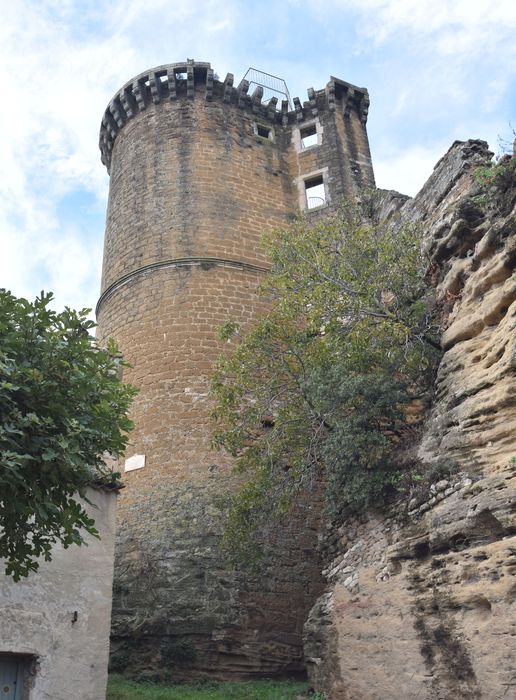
318 388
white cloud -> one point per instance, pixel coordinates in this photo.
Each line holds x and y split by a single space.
408 171
467 24
440 34
60 62
425 62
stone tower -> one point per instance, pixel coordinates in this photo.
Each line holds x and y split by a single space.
199 169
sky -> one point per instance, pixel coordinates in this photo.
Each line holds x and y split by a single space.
436 71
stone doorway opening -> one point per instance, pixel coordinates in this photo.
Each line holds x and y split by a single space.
16 672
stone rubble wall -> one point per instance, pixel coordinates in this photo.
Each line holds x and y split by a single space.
420 602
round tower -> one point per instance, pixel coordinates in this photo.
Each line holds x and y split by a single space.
198 170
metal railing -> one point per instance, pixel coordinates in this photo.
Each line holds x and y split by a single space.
314 202
271 84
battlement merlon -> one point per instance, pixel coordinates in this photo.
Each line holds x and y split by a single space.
168 82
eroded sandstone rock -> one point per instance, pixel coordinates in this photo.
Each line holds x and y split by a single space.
420 601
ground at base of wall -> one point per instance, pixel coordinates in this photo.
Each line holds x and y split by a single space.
121 689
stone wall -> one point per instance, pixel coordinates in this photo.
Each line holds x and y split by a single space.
56 621
199 169
420 601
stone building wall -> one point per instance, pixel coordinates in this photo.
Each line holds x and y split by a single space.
420 601
56 622
199 170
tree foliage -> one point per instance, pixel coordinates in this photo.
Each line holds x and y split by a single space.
319 386
62 408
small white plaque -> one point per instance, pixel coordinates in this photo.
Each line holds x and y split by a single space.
134 462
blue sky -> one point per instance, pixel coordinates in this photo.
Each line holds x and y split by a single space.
436 71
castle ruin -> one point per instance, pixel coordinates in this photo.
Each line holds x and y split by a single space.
199 169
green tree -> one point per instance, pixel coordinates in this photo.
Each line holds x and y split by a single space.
62 408
319 386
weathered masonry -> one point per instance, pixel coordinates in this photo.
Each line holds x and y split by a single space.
199 168
54 624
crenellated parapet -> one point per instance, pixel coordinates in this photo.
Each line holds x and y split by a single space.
197 79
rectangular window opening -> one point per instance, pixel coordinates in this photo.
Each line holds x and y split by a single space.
315 192
309 136
263 131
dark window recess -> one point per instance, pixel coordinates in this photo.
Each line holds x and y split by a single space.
315 192
308 136
263 131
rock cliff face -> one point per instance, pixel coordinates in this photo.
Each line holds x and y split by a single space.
420 601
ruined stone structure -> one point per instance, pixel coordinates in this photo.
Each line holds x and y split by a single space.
420 600
199 168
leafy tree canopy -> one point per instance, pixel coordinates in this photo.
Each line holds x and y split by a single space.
319 386
62 408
